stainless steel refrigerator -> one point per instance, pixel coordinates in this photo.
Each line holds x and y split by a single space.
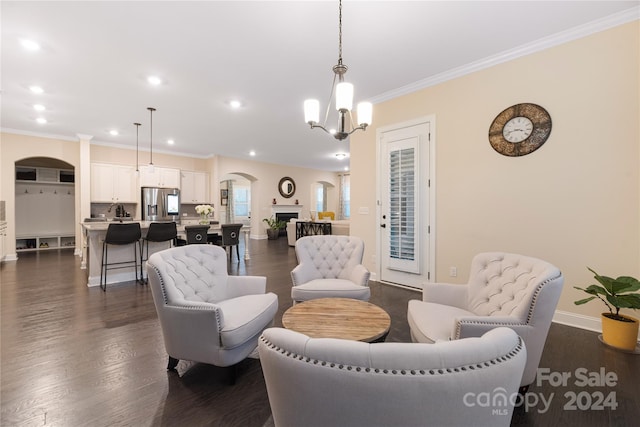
160 204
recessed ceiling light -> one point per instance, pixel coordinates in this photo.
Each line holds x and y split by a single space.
154 80
346 168
235 104
36 89
30 45
39 107
113 132
252 153
171 142
341 156
41 120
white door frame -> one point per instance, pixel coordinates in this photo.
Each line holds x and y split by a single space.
431 120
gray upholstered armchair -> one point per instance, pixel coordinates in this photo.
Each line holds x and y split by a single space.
331 382
206 315
330 266
510 290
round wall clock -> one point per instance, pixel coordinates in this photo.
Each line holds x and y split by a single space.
520 129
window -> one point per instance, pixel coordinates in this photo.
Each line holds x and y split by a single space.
320 199
345 197
402 203
241 201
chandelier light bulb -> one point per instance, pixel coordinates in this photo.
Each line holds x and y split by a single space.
344 96
311 111
365 113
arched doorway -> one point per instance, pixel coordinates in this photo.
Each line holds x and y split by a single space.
235 198
44 204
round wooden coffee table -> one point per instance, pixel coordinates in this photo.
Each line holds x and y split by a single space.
344 318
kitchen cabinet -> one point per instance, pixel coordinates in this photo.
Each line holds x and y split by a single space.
113 183
194 187
159 177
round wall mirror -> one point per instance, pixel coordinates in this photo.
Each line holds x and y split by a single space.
286 187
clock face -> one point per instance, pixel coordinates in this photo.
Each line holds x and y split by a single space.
517 129
520 129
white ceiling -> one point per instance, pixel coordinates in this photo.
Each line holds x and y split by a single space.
272 55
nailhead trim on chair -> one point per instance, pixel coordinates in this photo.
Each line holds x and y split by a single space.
441 371
536 294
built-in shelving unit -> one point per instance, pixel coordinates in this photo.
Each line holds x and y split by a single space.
45 208
40 242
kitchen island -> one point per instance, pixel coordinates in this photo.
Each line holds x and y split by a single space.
93 236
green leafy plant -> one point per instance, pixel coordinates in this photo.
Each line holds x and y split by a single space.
275 224
614 293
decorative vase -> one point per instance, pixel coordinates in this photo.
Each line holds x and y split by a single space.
273 233
620 334
204 219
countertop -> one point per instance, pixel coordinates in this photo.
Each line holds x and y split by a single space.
103 225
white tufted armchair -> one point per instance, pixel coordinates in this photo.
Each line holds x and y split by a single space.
331 382
206 315
510 290
330 266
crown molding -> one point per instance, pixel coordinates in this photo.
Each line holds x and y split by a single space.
38 134
562 37
96 142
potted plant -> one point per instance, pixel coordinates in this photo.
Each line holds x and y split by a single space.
618 330
274 227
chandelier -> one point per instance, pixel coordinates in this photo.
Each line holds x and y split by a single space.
344 100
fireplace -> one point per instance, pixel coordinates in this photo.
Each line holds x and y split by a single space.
285 216
285 213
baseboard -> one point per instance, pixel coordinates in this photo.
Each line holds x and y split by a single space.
579 321
10 257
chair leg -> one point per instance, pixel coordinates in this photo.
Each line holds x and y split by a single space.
232 374
103 267
142 245
172 364
238 252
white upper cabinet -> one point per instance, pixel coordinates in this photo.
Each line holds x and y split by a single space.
159 177
194 187
113 183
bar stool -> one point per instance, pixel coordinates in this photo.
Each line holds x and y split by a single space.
157 232
120 235
196 234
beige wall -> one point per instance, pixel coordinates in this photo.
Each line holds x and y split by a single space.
111 154
574 202
265 176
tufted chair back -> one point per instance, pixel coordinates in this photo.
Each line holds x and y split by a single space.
512 290
330 266
194 273
330 256
502 284
333 382
206 315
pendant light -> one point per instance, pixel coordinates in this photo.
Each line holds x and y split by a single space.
344 100
151 110
137 125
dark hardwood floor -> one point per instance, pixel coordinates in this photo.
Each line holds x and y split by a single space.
77 356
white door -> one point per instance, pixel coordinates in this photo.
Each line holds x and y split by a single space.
405 205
